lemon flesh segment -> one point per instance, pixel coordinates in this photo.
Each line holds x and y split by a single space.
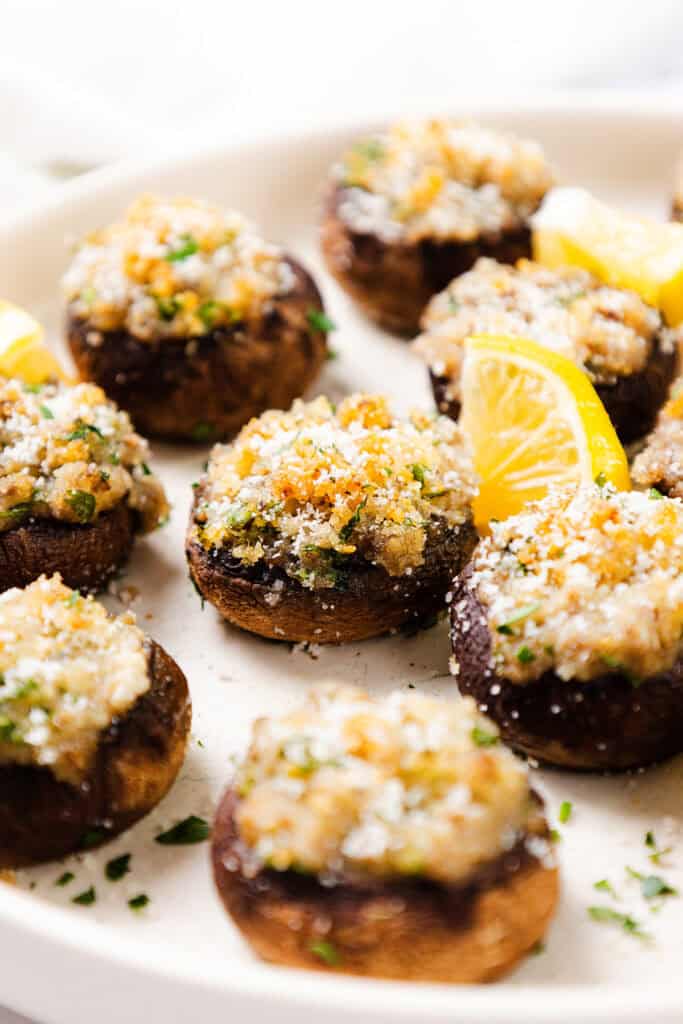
573 228
534 421
23 352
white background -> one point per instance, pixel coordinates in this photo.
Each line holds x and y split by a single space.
83 82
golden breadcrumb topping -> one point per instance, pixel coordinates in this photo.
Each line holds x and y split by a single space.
67 670
71 454
584 583
607 331
660 464
174 268
309 488
402 785
441 179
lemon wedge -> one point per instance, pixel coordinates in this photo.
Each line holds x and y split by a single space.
533 420
23 352
572 227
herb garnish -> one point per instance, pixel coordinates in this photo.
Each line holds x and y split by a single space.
82 504
606 915
654 494
604 885
85 898
188 247
652 886
326 952
46 413
482 737
348 527
521 613
601 480
118 867
651 844
201 432
168 307
64 879
138 902
418 472
72 599
82 430
320 321
565 812
525 655
184 833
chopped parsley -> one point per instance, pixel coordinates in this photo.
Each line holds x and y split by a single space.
168 307
601 479
604 885
320 321
201 432
188 247
654 494
331 355
525 655
85 898
418 472
23 508
146 471
46 413
118 867
326 952
521 613
606 915
652 886
565 812
82 431
64 879
651 843
349 526
184 833
482 737
209 312
537 948
93 837
82 504
139 902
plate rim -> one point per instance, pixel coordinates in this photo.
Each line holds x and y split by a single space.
85 943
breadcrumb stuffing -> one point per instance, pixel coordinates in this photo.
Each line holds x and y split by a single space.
584 583
401 785
608 332
174 268
309 488
449 180
660 464
67 670
71 454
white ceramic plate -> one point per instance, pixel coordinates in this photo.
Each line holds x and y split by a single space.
181 958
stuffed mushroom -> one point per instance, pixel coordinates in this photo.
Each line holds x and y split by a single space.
567 626
659 465
330 525
620 341
387 837
94 718
410 208
75 486
192 322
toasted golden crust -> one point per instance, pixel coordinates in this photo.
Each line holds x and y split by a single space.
137 760
392 282
85 556
373 602
410 930
607 724
206 388
632 402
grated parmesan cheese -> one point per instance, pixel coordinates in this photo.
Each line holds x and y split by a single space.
402 785
309 488
607 331
174 268
70 453
67 670
447 180
584 583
